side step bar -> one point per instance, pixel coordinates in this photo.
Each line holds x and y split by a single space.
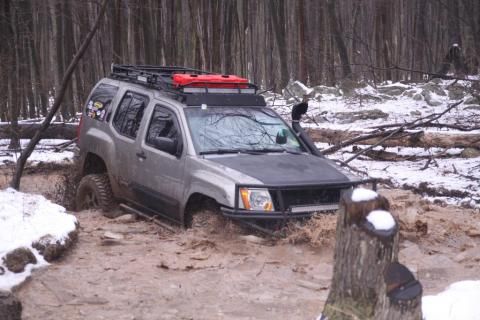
154 219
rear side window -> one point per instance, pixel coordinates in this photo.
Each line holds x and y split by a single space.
129 114
100 101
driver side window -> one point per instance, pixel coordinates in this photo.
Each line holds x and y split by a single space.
163 132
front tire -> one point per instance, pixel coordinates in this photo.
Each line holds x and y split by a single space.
94 192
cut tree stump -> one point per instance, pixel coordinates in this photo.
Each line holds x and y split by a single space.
10 307
368 282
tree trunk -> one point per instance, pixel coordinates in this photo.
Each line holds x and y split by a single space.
365 283
342 48
277 12
302 61
453 22
13 71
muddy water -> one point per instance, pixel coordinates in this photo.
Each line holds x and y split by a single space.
153 275
148 273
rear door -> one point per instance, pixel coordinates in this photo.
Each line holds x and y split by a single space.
126 124
158 181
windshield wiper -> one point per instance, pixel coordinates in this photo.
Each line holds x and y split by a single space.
234 150
247 151
278 150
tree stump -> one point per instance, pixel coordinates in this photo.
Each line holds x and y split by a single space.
10 307
368 282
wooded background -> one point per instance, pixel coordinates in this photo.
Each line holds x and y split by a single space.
268 41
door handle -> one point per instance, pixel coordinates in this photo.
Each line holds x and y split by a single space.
141 155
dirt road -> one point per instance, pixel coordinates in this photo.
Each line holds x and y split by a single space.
136 270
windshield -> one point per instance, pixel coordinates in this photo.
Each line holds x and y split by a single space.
230 129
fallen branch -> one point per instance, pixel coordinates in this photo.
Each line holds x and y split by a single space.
397 137
415 139
62 146
374 145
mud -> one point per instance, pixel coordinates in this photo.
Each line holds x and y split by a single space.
136 270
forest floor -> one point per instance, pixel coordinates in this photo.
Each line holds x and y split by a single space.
137 270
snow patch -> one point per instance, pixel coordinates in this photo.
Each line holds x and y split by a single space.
24 219
458 302
381 220
44 152
362 194
304 87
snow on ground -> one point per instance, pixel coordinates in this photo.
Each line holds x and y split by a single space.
24 219
324 108
448 177
44 152
458 302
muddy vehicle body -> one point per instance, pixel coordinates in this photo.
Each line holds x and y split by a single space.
168 140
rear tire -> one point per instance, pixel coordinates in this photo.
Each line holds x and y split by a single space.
94 192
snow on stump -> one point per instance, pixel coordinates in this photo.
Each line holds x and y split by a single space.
10 307
368 282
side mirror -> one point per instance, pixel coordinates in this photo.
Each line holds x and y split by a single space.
166 144
299 110
281 136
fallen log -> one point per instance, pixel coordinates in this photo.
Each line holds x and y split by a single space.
419 139
368 282
66 131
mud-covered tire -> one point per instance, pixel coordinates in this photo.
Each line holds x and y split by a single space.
94 192
208 220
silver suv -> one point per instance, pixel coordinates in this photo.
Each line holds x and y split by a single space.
171 141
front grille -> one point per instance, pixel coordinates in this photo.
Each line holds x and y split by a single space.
302 197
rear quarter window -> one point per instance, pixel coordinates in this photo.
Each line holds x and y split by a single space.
100 101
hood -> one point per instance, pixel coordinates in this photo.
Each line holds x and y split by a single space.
284 169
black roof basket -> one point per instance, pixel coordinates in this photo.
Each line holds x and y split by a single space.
160 77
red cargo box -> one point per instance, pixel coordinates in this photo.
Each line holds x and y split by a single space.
208 80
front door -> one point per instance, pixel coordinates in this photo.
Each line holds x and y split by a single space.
160 163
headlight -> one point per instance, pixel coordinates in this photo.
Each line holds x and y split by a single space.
256 199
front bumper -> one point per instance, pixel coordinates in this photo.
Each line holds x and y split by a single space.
270 215
289 212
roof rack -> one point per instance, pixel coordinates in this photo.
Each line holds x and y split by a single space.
184 84
161 77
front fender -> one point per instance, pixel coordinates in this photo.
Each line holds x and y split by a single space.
212 185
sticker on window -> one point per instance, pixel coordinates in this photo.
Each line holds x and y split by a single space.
96 110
